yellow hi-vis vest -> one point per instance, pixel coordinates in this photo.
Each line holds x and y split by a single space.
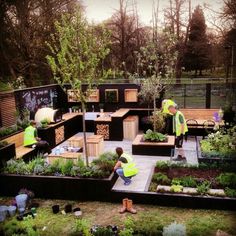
165 106
29 138
177 125
129 167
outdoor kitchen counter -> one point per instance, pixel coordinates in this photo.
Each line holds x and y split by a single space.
103 118
120 113
57 133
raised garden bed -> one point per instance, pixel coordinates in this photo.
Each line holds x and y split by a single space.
6 153
218 147
141 147
60 179
58 187
203 183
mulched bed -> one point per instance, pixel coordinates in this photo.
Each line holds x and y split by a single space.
200 175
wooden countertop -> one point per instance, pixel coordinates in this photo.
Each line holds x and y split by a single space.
103 119
120 113
65 117
68 115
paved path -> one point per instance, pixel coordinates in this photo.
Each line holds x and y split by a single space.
145 164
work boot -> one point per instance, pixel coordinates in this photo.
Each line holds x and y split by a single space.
124 207
130 207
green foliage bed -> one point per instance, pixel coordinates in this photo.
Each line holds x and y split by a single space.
202 177
99 168
220 144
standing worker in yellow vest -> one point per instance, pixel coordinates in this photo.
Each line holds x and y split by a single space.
32 140
125 167
168 115
179 129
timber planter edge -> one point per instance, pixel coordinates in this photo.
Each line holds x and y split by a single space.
58 187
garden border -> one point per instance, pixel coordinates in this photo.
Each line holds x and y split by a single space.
176 200
63 187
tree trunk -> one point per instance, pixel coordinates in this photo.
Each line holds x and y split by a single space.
84 134
154 114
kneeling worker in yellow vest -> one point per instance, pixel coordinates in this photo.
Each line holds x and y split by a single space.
179 129
125 167
31 139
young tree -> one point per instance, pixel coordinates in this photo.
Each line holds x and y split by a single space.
197 56
156 62
77 59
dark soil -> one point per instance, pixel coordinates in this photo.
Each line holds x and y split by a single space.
200 175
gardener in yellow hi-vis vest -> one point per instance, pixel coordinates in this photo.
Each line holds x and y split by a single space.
168 116
179 129
32 140
125 167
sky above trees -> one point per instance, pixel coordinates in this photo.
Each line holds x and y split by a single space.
99 10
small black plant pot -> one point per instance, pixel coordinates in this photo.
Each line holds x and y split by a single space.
68 208
76 209
55 209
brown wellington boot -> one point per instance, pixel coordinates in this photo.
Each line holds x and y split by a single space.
124 207
130 207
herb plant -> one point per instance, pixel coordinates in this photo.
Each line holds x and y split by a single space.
154 136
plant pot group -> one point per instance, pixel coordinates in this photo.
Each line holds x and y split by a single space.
7 211
67 209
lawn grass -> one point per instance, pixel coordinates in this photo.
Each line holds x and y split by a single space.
148 219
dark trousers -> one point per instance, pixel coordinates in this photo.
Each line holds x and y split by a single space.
42 147
169 124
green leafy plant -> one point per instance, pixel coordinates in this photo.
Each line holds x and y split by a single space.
162 165
227 180
106 161
176 188
24 228
82 228
102 231
154 136
66 167
187 181
161 178
203 188
5 131
174 229
230 192
220 144
128 229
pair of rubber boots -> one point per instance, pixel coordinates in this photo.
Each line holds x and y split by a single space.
127 206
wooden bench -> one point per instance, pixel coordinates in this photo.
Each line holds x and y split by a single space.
200 115
18 140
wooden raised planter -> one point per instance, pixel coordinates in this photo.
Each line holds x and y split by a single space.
6 153
140 147
57 187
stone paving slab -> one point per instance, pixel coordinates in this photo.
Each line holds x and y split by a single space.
145 164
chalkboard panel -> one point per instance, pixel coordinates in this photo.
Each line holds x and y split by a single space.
33 99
